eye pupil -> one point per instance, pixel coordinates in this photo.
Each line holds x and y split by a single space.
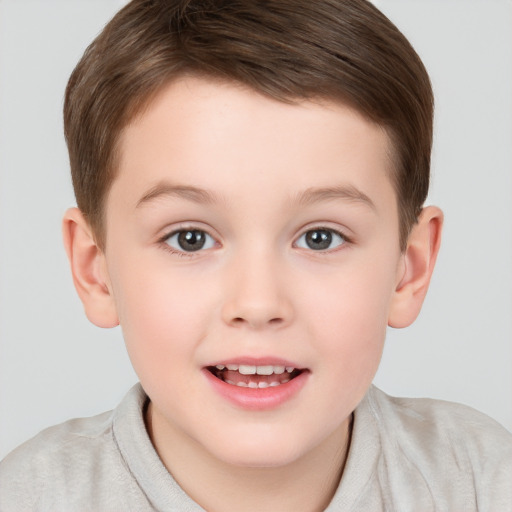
318 239
192 240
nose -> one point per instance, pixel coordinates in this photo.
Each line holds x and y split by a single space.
257 296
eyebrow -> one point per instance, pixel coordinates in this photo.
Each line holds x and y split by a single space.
308 197
190 193
347 192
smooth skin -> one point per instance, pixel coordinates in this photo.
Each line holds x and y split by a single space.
261 182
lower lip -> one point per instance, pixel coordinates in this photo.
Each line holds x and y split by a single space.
258 399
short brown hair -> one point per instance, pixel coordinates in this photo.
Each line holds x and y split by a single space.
344 50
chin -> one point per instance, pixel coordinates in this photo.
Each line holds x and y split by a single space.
258 460
258 451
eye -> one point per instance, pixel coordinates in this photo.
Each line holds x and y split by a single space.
320 239
190 240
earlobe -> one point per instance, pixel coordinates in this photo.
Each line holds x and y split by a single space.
417 266
88 267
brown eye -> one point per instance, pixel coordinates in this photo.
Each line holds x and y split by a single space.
320 239
190 240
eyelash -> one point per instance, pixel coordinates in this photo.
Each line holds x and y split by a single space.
163 241
344 239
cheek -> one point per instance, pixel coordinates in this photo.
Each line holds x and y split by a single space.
349 317
163 319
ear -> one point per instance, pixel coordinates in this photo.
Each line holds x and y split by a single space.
416 268
89 270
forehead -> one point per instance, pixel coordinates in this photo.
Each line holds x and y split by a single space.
223 137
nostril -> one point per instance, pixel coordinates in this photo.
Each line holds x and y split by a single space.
256 322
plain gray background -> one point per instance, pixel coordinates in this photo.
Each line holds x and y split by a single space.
55 365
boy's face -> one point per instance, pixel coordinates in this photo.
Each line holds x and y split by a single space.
244 231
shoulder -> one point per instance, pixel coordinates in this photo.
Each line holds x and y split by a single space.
452 446
67 466
53 457
59 441
439 420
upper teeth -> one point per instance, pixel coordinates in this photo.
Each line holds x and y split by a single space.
246 369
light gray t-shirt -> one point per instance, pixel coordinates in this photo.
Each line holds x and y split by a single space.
406 455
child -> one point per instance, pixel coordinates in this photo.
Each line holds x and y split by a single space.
250 180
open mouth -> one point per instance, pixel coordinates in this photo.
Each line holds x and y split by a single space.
249 376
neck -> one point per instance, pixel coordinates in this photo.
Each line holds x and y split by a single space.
306 484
